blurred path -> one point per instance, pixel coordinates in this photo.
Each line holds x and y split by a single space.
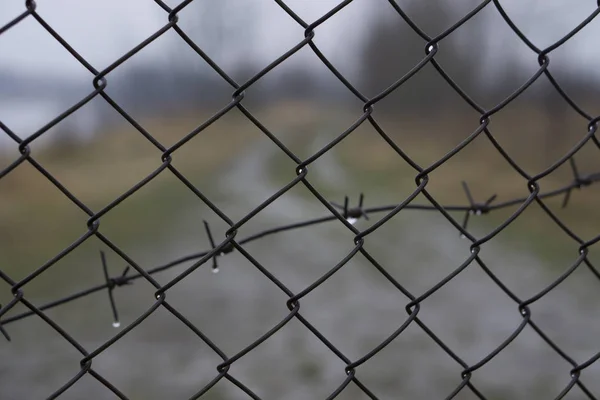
356 309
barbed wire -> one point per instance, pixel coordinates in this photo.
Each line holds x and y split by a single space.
343 213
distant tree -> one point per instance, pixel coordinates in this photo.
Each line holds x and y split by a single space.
297 82
392 48
226 29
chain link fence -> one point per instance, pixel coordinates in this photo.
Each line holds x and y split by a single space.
345 214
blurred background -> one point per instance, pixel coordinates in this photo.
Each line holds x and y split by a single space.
170 90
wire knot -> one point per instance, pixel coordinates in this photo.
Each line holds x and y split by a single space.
352 214
121 280
583 181
225 249
474 207
111 283
578 181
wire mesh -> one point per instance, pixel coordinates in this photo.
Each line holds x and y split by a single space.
340 213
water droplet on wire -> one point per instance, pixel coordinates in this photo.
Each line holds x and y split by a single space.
116 324
351 220
215 270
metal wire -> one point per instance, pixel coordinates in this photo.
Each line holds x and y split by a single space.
341 213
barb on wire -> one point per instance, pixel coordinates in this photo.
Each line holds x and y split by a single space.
352 214
474 208
578 181
111 283
355 212
228 248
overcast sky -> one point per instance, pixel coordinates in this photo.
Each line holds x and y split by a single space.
103 30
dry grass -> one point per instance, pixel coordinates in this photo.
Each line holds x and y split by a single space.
36 220
33 214
526 136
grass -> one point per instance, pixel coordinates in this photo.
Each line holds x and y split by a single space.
37 221
373 167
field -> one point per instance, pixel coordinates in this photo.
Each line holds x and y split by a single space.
237 168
